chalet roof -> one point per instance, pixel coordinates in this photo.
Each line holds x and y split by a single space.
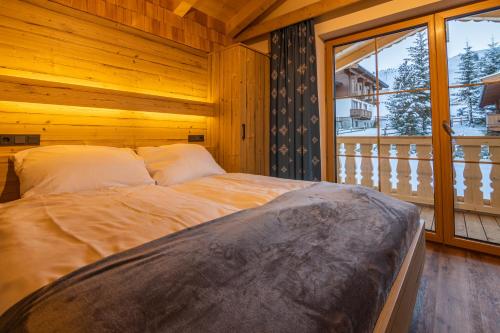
491 90
363 71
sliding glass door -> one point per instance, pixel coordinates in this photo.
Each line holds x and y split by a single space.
383 109
415 113
471 101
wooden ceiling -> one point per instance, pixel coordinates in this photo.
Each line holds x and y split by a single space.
220 9
238 15
208 25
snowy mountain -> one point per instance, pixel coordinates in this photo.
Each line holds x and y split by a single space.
388 75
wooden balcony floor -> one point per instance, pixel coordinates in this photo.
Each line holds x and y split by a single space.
467 224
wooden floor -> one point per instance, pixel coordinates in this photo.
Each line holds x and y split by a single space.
459 292
468 224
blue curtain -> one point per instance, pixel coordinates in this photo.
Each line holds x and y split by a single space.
295 146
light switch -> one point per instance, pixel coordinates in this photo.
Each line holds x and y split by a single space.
19 139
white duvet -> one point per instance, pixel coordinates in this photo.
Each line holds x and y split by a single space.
47 236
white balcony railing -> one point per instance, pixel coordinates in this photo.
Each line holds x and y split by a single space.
406 169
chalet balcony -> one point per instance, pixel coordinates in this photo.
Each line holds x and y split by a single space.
361 114
405 171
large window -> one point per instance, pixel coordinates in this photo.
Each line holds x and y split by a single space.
415 113
383 118
473 57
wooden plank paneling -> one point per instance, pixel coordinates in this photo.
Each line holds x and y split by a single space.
247 14
194 29
266 130
37 91
58 124
65 45
75 78
221 9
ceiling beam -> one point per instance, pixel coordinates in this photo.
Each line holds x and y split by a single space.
247 14
316 9
181 7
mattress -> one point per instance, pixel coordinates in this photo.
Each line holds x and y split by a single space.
48 236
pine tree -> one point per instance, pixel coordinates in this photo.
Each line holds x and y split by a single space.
410 113
419 57
402 115
468 97
490 62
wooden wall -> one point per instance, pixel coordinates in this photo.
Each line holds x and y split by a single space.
75 78
240 92
42 40
81 125
195 29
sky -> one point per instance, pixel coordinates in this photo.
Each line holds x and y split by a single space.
478 34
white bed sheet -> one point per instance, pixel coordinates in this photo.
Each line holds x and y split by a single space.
45 237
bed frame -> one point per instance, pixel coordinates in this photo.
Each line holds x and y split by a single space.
397 313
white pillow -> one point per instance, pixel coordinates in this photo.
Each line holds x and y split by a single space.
178 163
59 169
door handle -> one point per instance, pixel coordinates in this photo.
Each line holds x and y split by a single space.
447 128
243 131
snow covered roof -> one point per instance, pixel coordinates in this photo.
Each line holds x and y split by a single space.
491 78
491 16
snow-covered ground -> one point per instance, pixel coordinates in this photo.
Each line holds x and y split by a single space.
463 130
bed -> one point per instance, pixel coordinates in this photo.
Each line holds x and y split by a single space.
49 242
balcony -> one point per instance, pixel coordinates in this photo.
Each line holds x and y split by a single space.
361 114
405 171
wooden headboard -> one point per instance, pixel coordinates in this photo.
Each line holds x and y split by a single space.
75 78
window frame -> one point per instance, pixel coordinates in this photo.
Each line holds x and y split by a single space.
440 19
443 179
427 21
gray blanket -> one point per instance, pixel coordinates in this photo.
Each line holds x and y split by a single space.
321 259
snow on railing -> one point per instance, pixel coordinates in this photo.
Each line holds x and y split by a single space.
406 169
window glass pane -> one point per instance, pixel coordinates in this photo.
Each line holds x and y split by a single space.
467 118
355 69
356 139
473 47
473 53
357 161
406 114
383 138
356 116
403 60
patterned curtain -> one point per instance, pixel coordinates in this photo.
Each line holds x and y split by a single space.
295 147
